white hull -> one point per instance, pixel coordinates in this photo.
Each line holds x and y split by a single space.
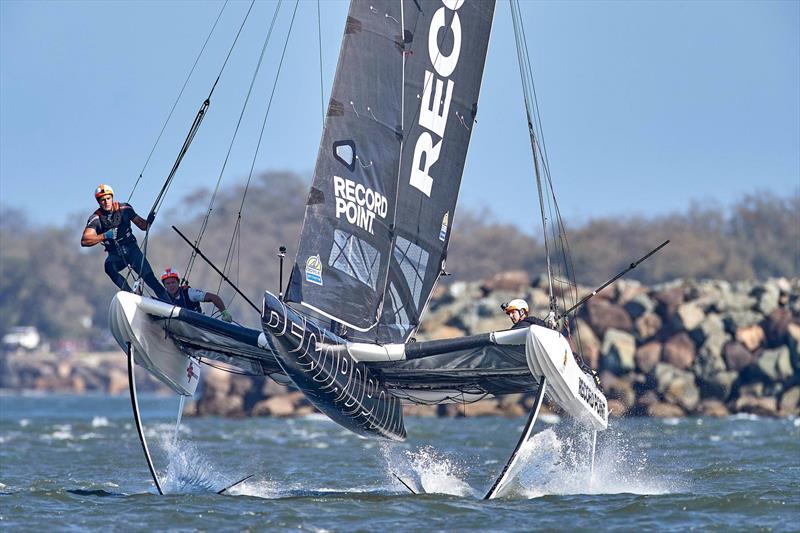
549 355
131 321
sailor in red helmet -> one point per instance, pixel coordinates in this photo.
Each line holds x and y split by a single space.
188 297
110 225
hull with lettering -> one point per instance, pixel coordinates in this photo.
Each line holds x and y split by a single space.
319 364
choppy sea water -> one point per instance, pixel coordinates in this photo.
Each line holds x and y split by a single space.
74 463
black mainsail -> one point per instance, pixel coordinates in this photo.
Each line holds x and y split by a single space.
442 81
389 167
379 213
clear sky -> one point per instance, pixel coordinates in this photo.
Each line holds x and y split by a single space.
647 106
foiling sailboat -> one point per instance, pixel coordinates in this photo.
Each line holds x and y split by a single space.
378 221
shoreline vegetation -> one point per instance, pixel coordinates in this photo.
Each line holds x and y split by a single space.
684 347
663 348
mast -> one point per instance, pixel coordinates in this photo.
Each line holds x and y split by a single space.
527 88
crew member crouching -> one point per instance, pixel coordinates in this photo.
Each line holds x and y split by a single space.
190 298
517 310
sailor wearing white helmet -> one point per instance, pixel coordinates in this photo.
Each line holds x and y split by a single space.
517 310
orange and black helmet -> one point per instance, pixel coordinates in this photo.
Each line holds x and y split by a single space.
103 190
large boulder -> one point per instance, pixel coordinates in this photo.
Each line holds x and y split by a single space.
679 351
737 356
767 297
668 300
763 406
733 300
776 364
589 343
718 385
677 386
627 289
603 315
713 408
709 359
647 326
619 390
688 316
618 350
776 327
711 325
639 304
735 320
751 337
790 402
793 341
647 356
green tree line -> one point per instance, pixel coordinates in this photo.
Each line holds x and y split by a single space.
47 280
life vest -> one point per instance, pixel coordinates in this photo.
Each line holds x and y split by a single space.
181 299
115 220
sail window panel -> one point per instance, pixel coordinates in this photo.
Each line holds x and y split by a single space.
401 321
355 257
413 261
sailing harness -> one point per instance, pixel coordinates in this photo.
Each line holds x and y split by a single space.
181 299
115 220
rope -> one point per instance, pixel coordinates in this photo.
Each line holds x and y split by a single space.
174 105
236 236
204 225
189 137
557 230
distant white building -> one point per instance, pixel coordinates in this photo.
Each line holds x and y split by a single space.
21 337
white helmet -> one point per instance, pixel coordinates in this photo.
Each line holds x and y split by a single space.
517 304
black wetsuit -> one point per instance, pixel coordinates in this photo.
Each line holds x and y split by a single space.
529 321
122 249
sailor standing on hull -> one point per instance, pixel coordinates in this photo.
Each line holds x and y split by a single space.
190 298
111 226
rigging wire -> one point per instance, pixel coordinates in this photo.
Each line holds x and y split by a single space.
527 81
187 142
321 86
204 224
557 229
236 236
175 104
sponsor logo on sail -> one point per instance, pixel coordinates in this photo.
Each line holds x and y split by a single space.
190 372
358 204
436 95
314 270
443 231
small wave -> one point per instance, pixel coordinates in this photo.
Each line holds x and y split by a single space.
426 470
671 421
745 416
24 423
100 422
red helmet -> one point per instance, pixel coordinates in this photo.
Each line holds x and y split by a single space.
170 273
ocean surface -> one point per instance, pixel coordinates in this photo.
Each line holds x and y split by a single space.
74 463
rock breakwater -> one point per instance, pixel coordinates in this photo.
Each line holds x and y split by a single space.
681 348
